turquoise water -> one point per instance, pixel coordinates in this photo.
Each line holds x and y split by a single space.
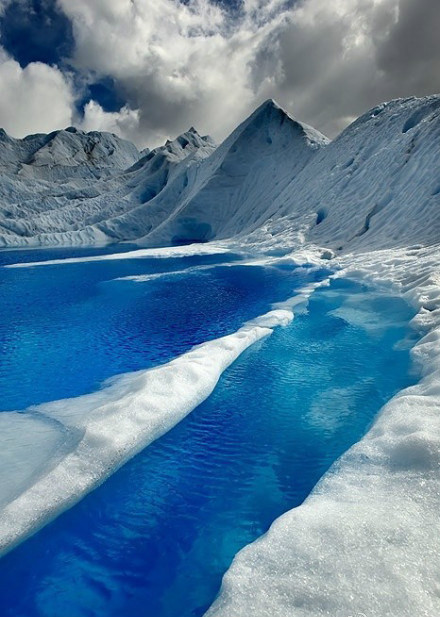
155 539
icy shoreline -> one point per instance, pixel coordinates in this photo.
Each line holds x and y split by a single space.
364 541
102 430
357 526
158 253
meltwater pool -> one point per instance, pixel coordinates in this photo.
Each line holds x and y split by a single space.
156 537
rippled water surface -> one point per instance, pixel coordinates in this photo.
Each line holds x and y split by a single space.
64 329
155 539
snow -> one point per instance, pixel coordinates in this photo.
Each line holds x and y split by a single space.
373 187
169 194
366 541
160 253
272 173
69 153
234 186
72 445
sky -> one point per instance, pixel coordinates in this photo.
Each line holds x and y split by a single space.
149 69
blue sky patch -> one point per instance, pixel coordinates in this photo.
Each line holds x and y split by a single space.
36 31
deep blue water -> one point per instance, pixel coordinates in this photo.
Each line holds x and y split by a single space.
155 539
65 329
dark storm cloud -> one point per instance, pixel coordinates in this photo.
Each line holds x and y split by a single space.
322 58
410 56
331 63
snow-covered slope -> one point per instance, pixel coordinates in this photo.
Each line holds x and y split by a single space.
61 155
185 190
156 185
377 184
70 187
89 186
234 188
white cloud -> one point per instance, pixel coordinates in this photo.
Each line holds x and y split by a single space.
35 99
196 63
124 122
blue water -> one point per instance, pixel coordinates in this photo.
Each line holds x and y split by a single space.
155 539
64 329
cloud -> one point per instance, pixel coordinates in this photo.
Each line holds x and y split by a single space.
324 57
336 60
175 64
124 122
410 56
35 99
197 63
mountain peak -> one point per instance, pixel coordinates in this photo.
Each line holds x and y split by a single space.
266 109
71 129
270 113
267 105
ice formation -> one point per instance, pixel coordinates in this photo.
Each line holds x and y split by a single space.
366 540
74 444
185 191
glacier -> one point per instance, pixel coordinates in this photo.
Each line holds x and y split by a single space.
365 203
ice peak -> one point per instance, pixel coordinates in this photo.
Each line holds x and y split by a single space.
71 129
269 113
268 104
191 138
266 110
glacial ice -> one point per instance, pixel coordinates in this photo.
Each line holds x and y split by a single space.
366 540
159 253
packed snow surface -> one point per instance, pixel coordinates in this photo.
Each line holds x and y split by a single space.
367 540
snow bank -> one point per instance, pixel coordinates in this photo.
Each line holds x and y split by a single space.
72 445
161 253
365 542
